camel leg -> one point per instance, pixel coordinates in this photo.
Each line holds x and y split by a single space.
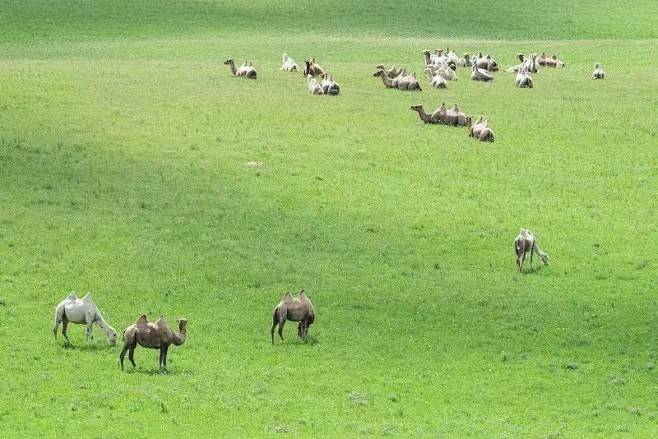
90 337
131 354
275 321
532 252
164 350
65 326
281 324
300 332
161 357
123 354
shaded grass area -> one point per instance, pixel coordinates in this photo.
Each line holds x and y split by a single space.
512 19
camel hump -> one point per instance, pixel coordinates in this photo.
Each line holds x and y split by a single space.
161 322
287 298
87 297
142 320
72 296
302 294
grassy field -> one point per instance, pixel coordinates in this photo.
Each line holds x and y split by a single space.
124 146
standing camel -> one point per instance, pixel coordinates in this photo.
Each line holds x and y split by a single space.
153 336
81 311
296 309
526 242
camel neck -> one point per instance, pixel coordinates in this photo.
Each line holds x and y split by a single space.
231 65
107 329
423 115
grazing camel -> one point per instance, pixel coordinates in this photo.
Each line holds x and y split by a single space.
288 64
408 82
313 68
153 336
296 309
598 72
246 70
313 86
526 242
523 79
392 72
479 74
81 311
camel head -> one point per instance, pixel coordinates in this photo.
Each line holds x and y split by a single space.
425 52
182 323
416 107
379 72
112 338
228 62
544 258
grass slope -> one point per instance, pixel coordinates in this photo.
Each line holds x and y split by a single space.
123 144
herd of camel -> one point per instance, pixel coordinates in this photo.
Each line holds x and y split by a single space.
440 67
158 334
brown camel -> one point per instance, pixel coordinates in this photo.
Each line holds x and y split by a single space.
296 309
153 336
526 242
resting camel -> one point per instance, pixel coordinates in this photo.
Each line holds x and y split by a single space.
296 309
481 130
526 242
81 311
523 79
552 61
392 72
329 86
479 74
313 68
408 82
436 80
246 70
313 85
486 62
598 72
288 64
153 336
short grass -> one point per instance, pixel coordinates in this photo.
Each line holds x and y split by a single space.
123 151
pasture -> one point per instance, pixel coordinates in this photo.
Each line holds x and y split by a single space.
125 150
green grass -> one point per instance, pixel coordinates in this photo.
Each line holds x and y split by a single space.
123 144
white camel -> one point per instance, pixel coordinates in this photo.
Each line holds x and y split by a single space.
81 311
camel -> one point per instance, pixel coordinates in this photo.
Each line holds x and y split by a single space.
480 130
436 80
598 72
464 60
313 68
479 74
552 61
486 62
526 242
523 79
408 82
153 336
81 311
288 64
246 70
529 63
392 72
329 86
296 309
313 85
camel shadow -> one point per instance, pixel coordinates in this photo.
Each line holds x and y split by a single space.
156 372
86 347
